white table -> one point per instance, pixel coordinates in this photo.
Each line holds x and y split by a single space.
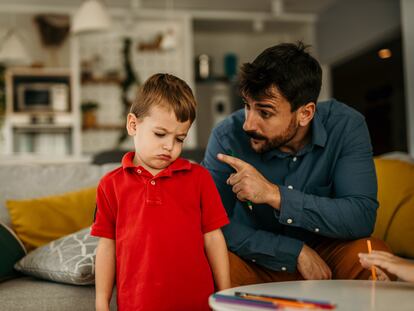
346 294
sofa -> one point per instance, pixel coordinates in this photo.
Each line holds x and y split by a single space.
394 222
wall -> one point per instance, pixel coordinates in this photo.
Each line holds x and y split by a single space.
350 26
407 8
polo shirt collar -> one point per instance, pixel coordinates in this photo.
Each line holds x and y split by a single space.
319 137
178 165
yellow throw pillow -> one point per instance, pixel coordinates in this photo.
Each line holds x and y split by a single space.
395 215
39 221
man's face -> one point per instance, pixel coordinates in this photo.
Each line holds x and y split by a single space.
269 122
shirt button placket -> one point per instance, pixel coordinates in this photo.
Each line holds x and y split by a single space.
153 191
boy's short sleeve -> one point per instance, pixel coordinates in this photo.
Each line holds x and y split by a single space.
213 214
104 222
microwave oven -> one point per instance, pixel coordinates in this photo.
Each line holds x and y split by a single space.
43 96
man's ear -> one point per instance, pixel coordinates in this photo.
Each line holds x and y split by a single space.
306 113
132 122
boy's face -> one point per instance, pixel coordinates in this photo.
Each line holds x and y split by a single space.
158 138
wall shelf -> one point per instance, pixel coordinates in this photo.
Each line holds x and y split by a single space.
45 130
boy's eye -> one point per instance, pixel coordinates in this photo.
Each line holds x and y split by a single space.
159 134
180 140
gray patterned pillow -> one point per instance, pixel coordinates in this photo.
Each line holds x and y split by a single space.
70 259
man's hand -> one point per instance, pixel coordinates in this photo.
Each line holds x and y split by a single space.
312 266
249 185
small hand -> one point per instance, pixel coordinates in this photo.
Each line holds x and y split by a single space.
249 185
311 266
402 268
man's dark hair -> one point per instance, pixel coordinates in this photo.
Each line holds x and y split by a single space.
289 68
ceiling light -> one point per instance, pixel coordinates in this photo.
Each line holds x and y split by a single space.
384 53
91 16
12 50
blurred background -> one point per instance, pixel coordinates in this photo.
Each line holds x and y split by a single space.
69 69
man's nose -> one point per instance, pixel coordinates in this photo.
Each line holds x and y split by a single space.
250 123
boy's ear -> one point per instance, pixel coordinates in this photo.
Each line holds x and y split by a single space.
132 123
306 113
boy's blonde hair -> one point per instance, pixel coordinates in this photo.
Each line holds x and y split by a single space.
165 90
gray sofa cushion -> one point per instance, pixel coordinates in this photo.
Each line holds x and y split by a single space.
27 293
69 260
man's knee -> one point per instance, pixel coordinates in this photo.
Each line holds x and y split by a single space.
361 245
241 273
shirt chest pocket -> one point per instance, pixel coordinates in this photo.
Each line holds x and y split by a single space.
320 190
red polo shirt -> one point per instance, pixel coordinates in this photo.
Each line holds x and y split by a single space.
158 223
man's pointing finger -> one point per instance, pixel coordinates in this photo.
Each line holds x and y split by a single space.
234 162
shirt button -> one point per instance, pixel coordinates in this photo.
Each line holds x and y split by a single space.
289 220
253 260
290 187
316 229
284 269
153 182
139 171
294 159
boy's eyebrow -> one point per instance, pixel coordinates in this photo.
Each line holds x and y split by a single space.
165 130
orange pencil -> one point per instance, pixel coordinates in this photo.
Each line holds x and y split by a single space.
373 272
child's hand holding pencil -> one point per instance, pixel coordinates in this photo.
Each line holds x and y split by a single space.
400 267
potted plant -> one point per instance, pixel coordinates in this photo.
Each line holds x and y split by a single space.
88 109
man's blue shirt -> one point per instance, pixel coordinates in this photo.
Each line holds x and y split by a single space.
328 188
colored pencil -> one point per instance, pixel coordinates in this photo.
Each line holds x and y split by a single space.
290 302
373 272
245 302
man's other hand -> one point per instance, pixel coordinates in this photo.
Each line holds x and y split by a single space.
312 266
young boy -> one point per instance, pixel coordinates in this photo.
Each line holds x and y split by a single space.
159 216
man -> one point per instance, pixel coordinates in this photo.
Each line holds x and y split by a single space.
297 178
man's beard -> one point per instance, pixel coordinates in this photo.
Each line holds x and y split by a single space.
275 142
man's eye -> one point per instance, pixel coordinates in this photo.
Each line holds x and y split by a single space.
159 134
264 114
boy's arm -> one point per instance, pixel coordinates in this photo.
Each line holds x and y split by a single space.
217 256
104 273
